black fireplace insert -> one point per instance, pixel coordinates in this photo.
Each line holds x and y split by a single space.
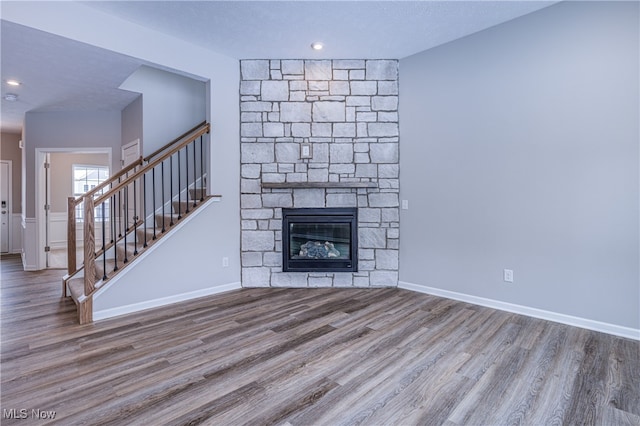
320 240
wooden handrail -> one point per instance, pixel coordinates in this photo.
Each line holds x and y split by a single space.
137 163
152 164
184 135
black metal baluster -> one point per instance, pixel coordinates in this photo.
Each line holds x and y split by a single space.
171 189
135 219
104 244
113 240
144 207
119 212
162 187
186 162
126 221
201 171
179 189
112 224
153 191
195 189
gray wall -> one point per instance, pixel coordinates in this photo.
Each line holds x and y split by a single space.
171 105
520 151
53 130
10 150
62 175
132 121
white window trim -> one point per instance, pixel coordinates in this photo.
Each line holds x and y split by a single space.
80 218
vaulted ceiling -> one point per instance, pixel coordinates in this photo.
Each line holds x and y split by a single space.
59 74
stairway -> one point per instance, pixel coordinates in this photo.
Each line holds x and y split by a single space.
127 205
125 255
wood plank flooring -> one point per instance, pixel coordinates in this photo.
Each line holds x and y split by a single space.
304 357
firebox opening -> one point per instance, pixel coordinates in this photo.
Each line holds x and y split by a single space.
320 240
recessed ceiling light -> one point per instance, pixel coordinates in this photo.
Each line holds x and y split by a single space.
11 97
317 45
13 83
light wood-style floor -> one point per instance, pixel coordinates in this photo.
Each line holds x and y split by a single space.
305 357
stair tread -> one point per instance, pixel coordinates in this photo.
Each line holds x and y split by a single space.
183 206
99 267
197 193
76 287
180 208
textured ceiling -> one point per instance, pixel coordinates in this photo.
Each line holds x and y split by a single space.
349 29
64 75
59 74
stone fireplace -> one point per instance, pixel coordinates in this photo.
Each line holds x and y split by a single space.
319 134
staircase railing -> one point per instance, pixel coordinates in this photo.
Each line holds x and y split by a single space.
119 215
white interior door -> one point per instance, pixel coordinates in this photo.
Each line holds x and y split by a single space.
130 152
5 206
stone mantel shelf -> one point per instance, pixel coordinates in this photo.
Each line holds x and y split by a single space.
279 185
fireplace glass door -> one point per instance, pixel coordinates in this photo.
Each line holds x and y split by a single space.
322 240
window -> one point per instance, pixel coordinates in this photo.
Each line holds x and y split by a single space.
85 178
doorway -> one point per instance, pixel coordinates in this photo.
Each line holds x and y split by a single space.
55 184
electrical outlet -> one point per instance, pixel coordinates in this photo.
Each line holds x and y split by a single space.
225 262
508 275
405 204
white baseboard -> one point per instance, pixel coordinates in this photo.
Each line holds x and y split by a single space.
616 330
148 304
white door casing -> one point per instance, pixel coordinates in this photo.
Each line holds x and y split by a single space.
37 247
5 206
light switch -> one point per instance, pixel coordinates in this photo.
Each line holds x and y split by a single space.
405 204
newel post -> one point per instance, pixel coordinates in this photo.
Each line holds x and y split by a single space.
89 246
71 235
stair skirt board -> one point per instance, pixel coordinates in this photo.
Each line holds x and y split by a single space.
149 304
201 207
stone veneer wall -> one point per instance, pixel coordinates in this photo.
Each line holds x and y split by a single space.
348 111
